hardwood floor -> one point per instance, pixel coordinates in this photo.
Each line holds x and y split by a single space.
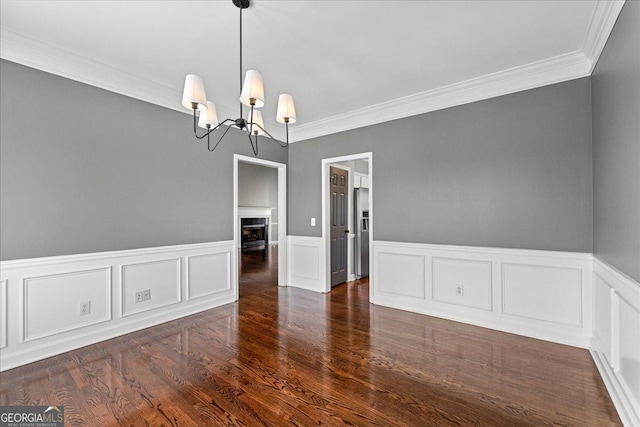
285 356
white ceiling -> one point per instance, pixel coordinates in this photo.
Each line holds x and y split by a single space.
347 63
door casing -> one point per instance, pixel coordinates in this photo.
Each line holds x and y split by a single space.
282 217
326 226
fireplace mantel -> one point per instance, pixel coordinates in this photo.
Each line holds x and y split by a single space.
254 212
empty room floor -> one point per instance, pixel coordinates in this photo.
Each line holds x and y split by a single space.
286 356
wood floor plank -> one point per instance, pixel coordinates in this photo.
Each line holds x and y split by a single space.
285 356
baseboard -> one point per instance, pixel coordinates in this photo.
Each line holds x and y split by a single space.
615 346
41 297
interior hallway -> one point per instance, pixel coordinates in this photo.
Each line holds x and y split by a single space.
289 356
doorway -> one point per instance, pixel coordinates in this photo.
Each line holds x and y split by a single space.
273 225
339 222
344 162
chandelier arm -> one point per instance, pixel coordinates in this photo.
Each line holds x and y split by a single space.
219 140
254 148
280 143
210 130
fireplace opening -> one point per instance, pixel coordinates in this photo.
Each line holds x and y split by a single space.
254 233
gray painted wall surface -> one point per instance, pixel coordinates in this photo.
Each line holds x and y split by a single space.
512 171
616 146
257 185
98 171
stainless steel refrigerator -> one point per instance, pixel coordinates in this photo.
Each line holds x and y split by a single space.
361 220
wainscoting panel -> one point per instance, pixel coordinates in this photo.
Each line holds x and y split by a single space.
306 265
51 303
545 295
462 282
401 274
3 313
603 295
162 278
615 345
204 274
41 299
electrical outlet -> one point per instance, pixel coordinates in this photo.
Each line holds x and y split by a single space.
459 290
143 295
313 222
84 308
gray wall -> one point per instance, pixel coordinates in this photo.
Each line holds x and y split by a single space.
257 185
616 146
512 171
91 170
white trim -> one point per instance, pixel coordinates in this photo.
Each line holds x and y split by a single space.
94 256
190 295
306 263
3 313
44 56
622 290
326 231
418 279
25 304
282 215
603 18
22 348
542 73
123 286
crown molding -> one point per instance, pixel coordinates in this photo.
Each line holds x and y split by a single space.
603 18
38 54
53 59
541 73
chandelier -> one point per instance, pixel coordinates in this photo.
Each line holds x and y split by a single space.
251 95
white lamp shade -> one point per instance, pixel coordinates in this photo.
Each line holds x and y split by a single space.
194 93
286 109
257 119
253 88
209 117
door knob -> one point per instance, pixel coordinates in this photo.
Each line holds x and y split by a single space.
346 231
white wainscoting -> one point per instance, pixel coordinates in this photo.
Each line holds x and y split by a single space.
40 298
306 263
3 313
615 345
540 294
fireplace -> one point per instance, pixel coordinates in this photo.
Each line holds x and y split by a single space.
255 232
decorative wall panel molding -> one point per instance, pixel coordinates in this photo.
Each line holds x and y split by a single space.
541 294
51 302
462 282
401 275
162 279
44 297
615 345
203 274
305 264
545 293
3 313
